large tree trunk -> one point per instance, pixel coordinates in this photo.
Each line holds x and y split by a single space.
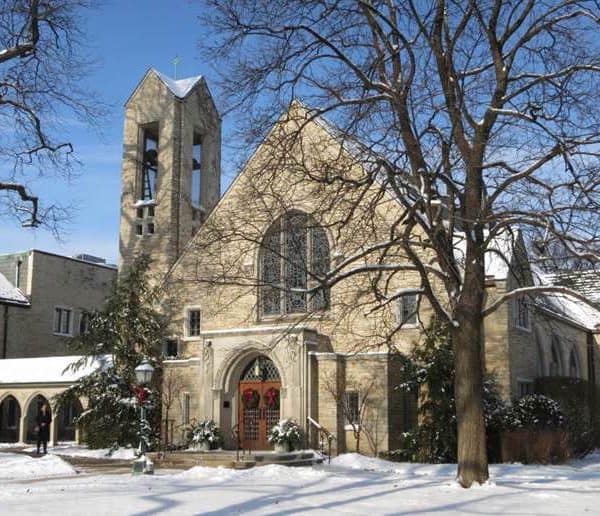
468 385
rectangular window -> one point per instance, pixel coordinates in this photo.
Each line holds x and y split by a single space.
62 321
171 348
196 192
139 213
149 162
525 388
185 413
150 228
193 323
84 321
139 229
351 409
523 313
407 310
150 211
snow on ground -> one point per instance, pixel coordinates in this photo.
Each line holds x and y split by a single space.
350 485
73 450
14 466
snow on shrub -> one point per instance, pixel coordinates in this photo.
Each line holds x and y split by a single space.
205 431
286 431
534 410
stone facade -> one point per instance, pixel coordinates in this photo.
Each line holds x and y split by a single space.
323 358
179 111
49 281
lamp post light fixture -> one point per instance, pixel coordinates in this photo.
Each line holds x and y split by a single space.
143 375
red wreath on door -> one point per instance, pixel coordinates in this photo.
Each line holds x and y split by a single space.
271 398
250 397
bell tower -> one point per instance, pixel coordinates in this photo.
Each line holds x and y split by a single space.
171 167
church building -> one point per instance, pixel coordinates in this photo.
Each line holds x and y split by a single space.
255 333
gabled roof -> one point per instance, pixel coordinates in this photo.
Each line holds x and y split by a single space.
11 295
180 88
564 305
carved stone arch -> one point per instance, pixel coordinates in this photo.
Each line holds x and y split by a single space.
227 376
35 395
10 394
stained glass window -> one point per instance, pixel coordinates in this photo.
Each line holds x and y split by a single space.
261 368
295 258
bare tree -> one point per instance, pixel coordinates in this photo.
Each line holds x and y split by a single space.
42 63
360 407
171 387
480 118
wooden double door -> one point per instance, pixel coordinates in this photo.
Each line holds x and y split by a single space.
259 412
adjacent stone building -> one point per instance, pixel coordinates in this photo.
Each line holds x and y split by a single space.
43 301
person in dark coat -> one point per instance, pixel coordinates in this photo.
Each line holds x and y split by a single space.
44 418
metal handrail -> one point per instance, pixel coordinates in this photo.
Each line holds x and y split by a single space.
323 433
235 434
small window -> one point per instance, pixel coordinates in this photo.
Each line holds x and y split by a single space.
139 229
139 213
185 413
150 228
84 323
62 321
523 313
193 323
150 211
525 388
407 310
171 347
351 409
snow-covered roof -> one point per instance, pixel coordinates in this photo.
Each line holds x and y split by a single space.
586 282
564 305
10 294
179 87
47 369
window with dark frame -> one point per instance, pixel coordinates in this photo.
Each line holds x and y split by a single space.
294 258
150 228
351 407
523 313
62 321
171 348
149 162
407 309
139 229
525 388
193 323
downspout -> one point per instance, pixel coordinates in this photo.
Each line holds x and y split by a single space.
5 333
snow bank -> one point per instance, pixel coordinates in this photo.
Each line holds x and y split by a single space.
269 473
73 450
355 461
15 466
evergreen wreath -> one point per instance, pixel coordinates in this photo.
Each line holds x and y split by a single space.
250 398
271 398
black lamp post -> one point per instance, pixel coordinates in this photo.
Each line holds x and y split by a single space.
143 375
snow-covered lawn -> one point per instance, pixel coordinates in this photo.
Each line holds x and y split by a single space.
15 466
351 485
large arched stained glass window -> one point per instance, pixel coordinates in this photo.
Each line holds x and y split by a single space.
294 259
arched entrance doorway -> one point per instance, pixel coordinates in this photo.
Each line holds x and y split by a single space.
259 395
34 408
10 417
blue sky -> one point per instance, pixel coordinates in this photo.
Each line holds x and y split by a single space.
127 37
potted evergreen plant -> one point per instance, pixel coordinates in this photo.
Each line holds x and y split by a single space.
285 435
203 435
